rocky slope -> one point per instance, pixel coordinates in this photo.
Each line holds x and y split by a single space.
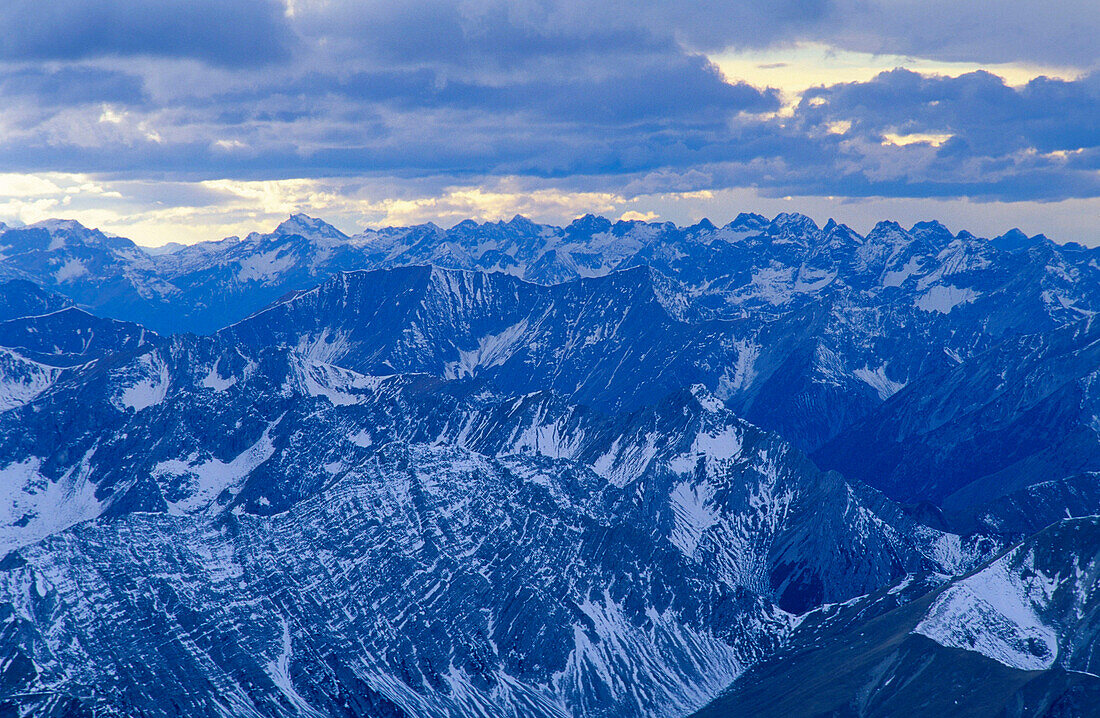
991 438
1018 637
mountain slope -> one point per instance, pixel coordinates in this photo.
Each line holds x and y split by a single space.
20 298
1021 414
1018 637
42 335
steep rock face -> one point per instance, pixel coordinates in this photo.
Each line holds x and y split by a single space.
807 374
589 340
1018 637
193 425
20 298
1020 414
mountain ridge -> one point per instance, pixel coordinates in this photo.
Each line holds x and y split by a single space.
403 478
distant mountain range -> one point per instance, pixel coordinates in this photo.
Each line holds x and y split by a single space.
509 469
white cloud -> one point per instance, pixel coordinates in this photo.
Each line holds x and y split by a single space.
793 69
901 140
633 215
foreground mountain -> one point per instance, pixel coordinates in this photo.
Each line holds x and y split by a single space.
303 535
426 582
1019 637
42 335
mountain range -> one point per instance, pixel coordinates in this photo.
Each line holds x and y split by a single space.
510 469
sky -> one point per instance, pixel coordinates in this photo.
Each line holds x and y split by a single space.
186 120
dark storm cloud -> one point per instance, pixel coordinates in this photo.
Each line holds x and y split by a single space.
981 31
508 32
1007 143
233 33
71 86
658 89
486 35
984 115
984 31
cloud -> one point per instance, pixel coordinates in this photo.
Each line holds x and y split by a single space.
976 31
495 35
649 88
233 33
601 99
977 110
501 32
900 134
71 86
907 134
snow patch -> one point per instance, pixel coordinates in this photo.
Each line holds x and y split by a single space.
623 464
342 387
21 379
944 297
70 270
33 507
708 401
151 386
691 513
328 347
812 280
772 284
722 444
668 664
279 670
743 372
213 379
546 439
202 482
268 265
897 277
993 613
492 350
883 385
361 439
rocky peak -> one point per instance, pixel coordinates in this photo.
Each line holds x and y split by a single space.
588 225
309 227
793 226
